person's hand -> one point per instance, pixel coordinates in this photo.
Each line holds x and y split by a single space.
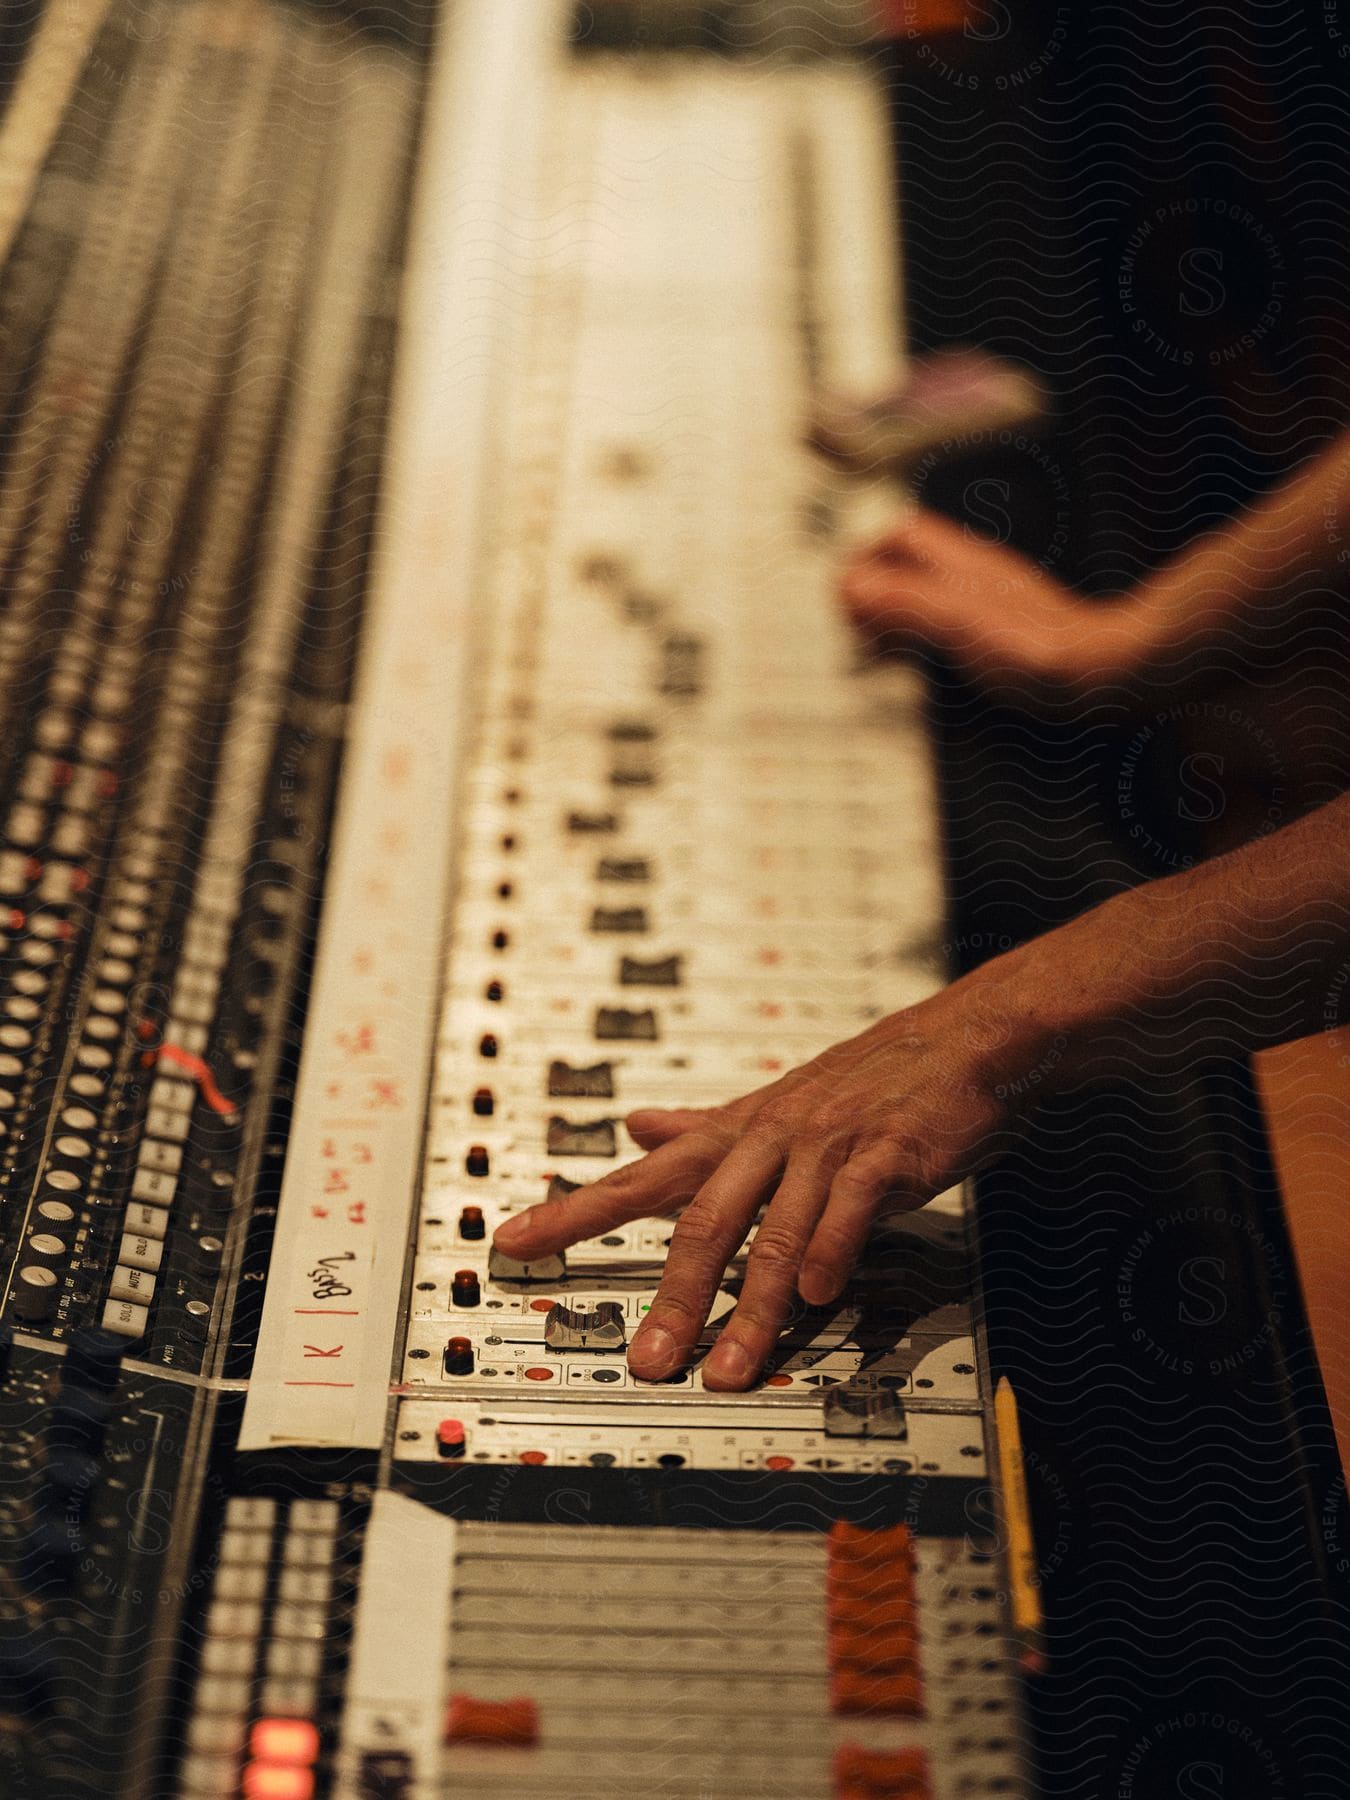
932 585
886 1120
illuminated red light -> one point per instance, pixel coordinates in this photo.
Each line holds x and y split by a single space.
277 1781
284 1741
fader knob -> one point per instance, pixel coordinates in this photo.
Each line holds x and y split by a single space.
483 1103
93 1360
35 1293
544 1268
471 1223
600 1329
458 1357
476 1162
465 1289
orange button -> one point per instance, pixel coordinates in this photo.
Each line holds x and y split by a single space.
284 1741
880 1774
855 1545
872 1613
898 1696
848 1588
277 1781
874 1655
470 1721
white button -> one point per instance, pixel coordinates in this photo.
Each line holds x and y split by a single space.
160 1122
244 1510
223 1736
233 1619
131 1284
140 1252
293 1658
57 883
205 1777
24 825
228 1656
153 1186
288 1699
70 836
245 1546
146 1221
125 1319
227 1694
305 1587
307 1552
13 872
191 1011
301 1622
241 1581
313 1515
178 1096
154 1155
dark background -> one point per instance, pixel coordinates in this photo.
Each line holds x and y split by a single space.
1147 205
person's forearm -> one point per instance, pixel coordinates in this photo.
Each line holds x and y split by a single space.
1233 588
1243 951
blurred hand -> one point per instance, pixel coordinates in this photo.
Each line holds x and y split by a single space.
932 585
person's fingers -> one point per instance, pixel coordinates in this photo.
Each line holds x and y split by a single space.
651 1126
648 1188
709 1233
875 1172
772 1266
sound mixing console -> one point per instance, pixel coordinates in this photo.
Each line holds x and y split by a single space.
428 736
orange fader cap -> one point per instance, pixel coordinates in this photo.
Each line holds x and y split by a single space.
470 1721
880 1774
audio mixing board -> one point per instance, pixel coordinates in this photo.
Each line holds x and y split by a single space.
427 737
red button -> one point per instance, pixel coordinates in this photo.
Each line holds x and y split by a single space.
777 1462
284 1741
779 1381
542 1305
539 1374
450 1438
534 1457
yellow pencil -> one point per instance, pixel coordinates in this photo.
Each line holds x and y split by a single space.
1023 1583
